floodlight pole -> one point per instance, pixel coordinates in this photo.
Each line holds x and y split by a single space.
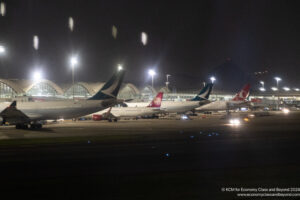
152 80
277 94
2 52
73 80
167 83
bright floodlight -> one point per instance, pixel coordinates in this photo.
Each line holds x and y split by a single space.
297 89
277 79
262 89
2 49
212 79
184 117
286 88
151 72
37 76
274 88
261 82
234 122
74 61
285 110
120 67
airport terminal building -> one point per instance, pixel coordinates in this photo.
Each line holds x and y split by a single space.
24 89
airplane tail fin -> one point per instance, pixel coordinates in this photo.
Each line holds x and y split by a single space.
243 94
204 93
13 104
111 88
156 102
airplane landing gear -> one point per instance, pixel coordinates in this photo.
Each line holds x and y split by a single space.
21 126
25 126
112 120
36 126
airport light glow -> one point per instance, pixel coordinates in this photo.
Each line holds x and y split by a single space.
184 117
262 84
120 67
2 49
152 73
262 89
274 88
286 88
73 61
234 122
246 119
277 79
37 76
212 79
297 89
285 110
277 84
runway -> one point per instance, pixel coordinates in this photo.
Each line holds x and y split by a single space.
150 159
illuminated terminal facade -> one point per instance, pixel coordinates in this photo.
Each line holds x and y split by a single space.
24 89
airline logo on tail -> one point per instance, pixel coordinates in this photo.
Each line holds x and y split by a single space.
156 102
204 93
111 88
243 94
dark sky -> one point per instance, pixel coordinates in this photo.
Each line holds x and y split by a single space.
187 39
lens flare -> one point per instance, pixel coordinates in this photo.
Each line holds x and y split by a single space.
2 9
114 31
35 42
144 38
71 24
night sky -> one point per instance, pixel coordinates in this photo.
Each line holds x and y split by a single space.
188 40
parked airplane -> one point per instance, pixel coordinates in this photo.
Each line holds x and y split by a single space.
183 106
23 114
238 101
115 113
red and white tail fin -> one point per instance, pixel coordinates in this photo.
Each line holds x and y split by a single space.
243 94
156 102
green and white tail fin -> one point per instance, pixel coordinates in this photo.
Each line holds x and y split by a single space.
111 88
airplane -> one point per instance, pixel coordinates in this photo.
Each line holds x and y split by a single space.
23 114
183 106
114 113
237 101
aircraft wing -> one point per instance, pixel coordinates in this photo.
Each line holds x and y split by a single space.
238 105
157 109
12 115
160 110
